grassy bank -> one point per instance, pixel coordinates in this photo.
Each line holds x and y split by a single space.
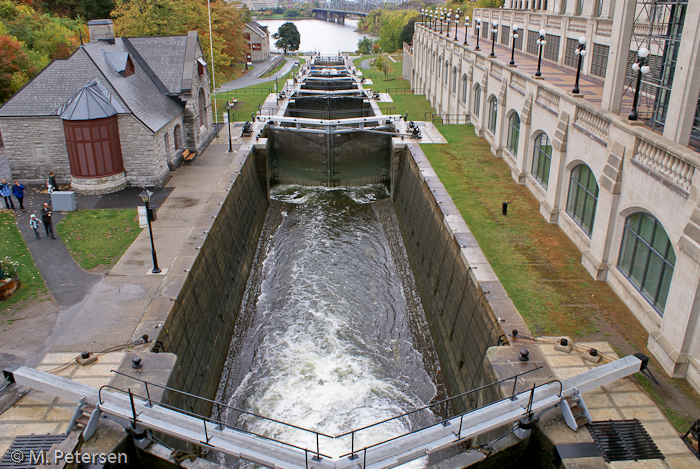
98 237
14 247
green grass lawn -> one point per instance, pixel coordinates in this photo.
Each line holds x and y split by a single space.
404 101
15 248
98 237
537 264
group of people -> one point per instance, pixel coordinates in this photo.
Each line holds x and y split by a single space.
7 191
17 190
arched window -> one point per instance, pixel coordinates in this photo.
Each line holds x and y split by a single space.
477 99
201 108
439 67
465 83
493 113
513 133
177 137
647 258
447 73
454 79
583 197
542 158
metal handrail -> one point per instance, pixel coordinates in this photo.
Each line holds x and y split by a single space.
221 424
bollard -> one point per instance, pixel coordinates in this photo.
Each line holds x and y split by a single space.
504 206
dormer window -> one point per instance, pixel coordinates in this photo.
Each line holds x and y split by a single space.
201 66
120 62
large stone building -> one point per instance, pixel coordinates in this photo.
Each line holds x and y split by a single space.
624 191
258 38
117 112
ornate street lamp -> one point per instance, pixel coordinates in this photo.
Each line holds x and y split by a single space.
540 42
642 68
442 15
456 25
229 105
494 31
478 31
466 29
422 15
449 19
512 52
581 52
146 198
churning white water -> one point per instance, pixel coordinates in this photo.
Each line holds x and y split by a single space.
325 341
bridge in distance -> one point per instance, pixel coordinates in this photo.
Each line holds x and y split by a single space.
337 10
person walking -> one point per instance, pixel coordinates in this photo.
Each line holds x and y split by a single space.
46 218
6 192
34 224
18 191
51 183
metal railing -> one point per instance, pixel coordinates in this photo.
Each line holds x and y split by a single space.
443 406
446 119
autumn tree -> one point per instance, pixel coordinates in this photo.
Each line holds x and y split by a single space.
288 37
177 17
14 67
382 64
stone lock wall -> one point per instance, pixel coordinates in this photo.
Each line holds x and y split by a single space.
200 325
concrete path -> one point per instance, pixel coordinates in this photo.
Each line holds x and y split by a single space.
253 78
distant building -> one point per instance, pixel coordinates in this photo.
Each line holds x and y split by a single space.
117 112
258 39
255 5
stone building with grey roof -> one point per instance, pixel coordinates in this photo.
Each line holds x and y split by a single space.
117 112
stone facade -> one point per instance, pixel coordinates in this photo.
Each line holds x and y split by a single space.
147 117
635 170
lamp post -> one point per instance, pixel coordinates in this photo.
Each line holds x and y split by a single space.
581 52
642 68
466 29
449 19
422 15
540 42
229 105
456 25
442 15
146 198
478 31
494 31
512 52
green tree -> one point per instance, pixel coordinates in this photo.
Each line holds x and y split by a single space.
288 37
407 32
364 45
382 64
292 13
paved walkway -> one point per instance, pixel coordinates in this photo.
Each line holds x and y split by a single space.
591 87
253 77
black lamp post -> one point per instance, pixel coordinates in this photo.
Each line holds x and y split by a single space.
642 68
146 198
494 31
466 29
581 52
449 19
456 25
512 51
422 16
442 14
540 42
229 105
478 32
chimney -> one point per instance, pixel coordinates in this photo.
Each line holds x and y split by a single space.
101 30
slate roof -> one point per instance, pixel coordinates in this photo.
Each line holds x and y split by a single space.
166 57
91 102
144 93
258 29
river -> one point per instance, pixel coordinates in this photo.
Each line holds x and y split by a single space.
321 36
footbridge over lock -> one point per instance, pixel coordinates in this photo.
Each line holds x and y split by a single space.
325 128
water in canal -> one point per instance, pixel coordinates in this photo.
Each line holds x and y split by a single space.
325 37
331 335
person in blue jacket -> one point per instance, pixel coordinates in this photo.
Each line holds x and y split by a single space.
6 192
18 191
